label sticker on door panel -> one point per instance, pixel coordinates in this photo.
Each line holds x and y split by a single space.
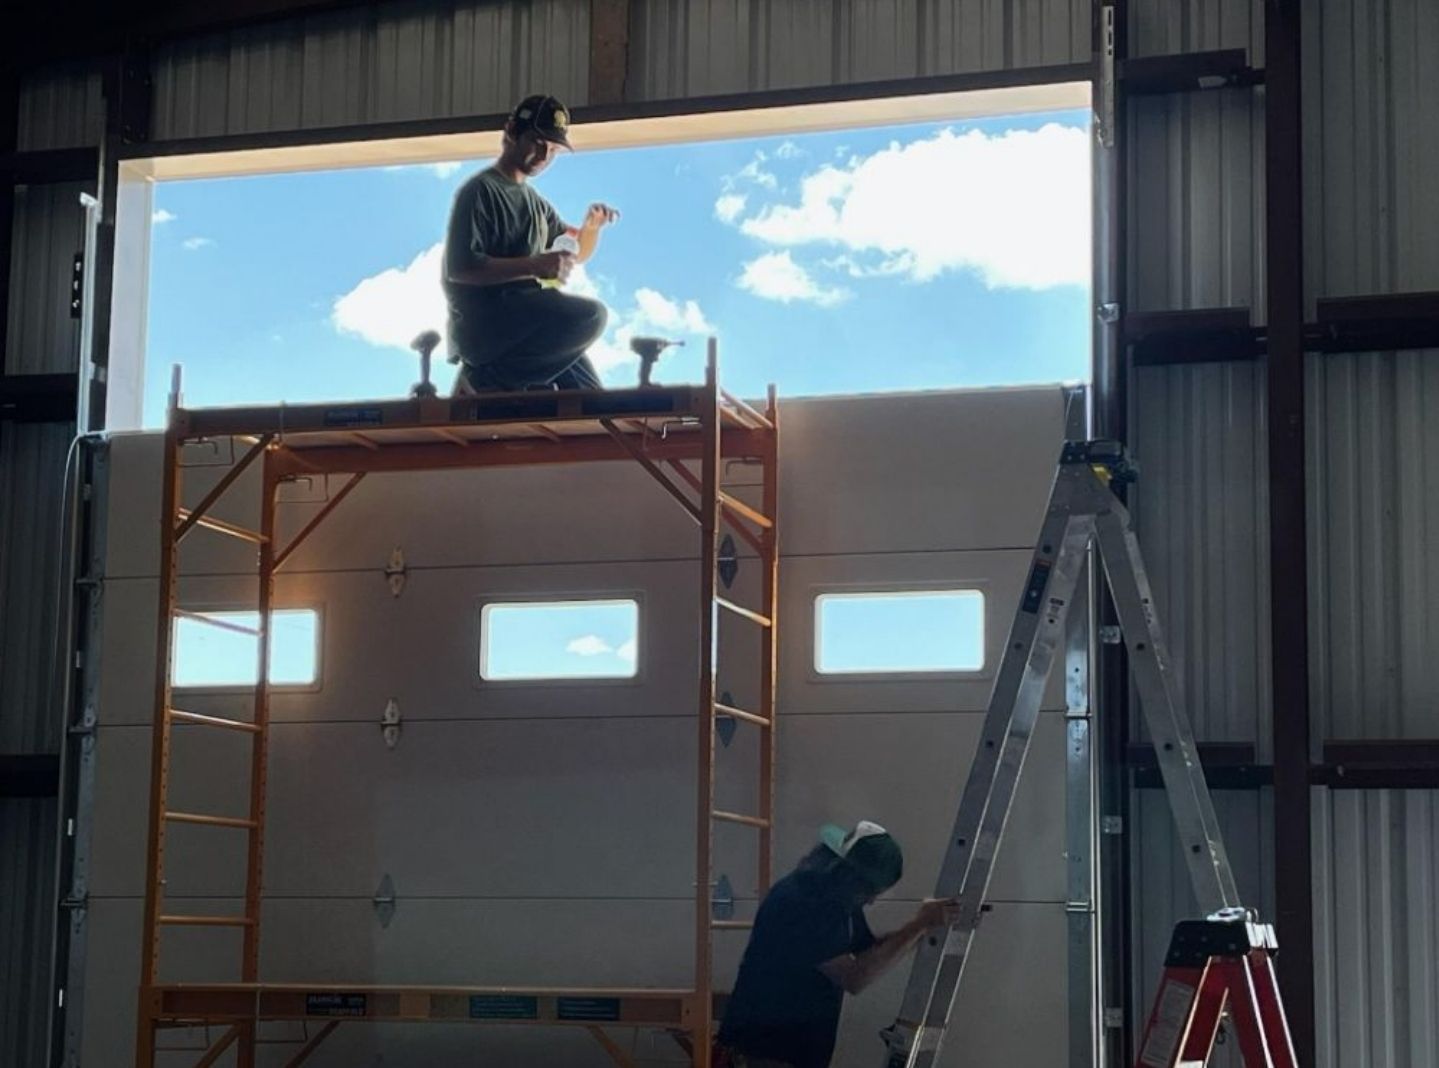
504 1007
335 1004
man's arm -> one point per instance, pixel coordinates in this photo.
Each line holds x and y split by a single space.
853 972
596 219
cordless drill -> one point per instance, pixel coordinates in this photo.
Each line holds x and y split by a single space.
648 349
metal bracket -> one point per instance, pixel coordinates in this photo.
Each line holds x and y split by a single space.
1111 635
1108 82
390 724
727 563
722 899
1108 312
1111 825
1114 1018
395 571
725 724
77 287
384 901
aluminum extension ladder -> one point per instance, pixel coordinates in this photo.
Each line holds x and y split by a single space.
1083 511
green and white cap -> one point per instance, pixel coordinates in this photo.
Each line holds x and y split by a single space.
869 849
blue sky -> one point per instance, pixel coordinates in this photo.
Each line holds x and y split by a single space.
926 256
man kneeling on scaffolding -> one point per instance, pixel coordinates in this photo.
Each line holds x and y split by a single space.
506 254
811 945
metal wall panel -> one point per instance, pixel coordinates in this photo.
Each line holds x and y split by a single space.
32 464
27 888
49 231
380 63
1196 167
1201 512
1373 527
1372 138
728 46
1376 934
60 107
1169 27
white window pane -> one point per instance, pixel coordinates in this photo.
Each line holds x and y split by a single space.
560 640
899 631
209 655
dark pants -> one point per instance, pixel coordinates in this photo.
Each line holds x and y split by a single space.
533 336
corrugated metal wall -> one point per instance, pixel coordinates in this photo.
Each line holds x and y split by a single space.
27 849
1372 146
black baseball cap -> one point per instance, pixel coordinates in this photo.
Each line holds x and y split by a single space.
545 115
870 850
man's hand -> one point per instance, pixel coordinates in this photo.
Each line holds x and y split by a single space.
600 216
938 912
554 265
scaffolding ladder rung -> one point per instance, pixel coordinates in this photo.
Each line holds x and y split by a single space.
214 721
210 821
740 610
744 408
221 527
211 621
207 921
738 507
732 925
739 713
740 817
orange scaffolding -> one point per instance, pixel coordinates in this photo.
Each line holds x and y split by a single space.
665 430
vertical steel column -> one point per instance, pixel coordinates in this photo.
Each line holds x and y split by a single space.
703 1016
1081 838
769 645
259 752
1110 696
159 746
1288 550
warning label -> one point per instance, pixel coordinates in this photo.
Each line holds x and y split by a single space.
1171 1017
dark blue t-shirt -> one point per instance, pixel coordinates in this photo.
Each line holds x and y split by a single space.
783 1006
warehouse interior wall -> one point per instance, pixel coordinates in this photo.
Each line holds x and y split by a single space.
1195 239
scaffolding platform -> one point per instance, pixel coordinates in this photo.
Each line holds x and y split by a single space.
682 436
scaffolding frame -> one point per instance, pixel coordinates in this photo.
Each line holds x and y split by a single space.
664 430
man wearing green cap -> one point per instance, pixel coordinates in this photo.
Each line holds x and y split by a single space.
508 330
811 945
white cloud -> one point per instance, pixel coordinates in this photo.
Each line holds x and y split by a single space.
753 172
589 645
669 315
1012 207
730 206
163 216
191 244
444 170
390 308
775 276
628 651
788 150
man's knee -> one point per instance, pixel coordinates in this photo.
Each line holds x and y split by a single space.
591 319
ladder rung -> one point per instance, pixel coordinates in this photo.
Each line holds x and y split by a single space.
210 821
214 721
211 621
734 504
222 527
735 402
740 817
732 925
207 921
739 610
739 713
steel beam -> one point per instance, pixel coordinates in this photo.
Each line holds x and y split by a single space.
1288 547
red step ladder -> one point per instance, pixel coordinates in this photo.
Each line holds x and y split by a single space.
1224 964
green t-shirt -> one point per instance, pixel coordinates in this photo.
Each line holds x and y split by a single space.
492 216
